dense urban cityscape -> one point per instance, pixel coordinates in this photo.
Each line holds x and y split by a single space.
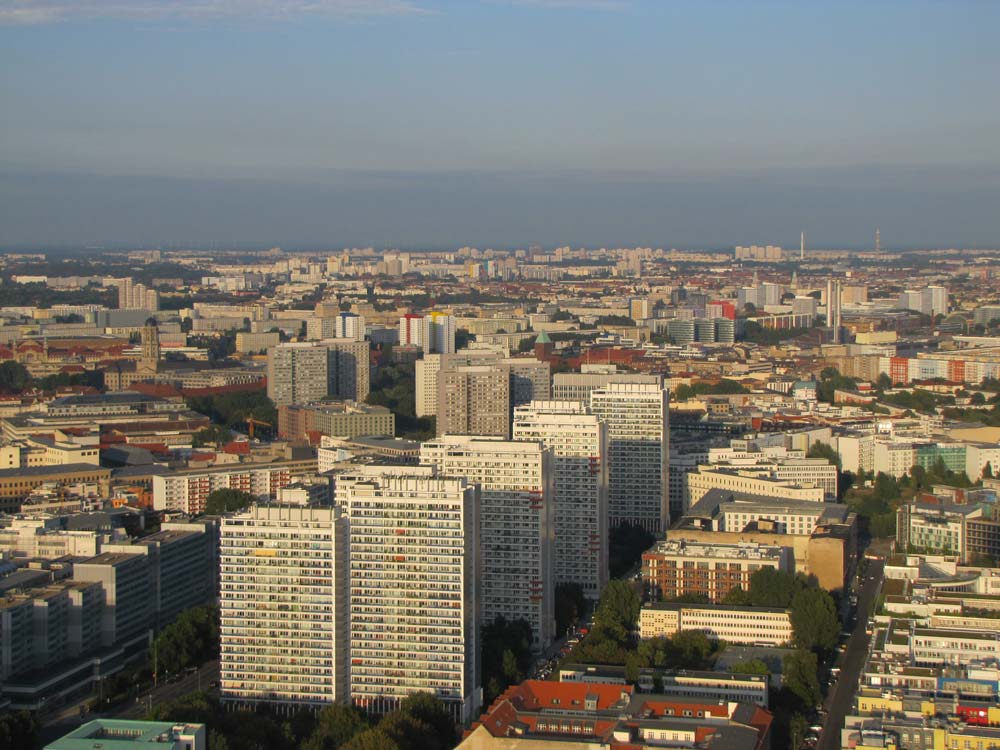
561 498
499 375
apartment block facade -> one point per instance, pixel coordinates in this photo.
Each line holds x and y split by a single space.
284 587
474 400
187 491
516 528
302 372
414 582
638 453
579 444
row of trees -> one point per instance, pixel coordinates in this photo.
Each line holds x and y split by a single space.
394 387
812 610
15 378
506 655
724 386
18 729
227 501
233 409
422 722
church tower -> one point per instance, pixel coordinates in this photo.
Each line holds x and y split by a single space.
149 362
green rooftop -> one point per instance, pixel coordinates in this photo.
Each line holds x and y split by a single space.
119 734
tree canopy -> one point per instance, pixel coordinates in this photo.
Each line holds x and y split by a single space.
814 619
335 726
190 640
618 609
227 501
506 652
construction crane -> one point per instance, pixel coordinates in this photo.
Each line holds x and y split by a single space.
251 423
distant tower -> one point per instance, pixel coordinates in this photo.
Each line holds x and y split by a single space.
543 347
878 242
149 361
802 246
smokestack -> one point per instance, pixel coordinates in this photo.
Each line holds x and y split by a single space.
802 246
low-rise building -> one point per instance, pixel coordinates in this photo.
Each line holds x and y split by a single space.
674 567
733 624
122 734
187 491
593 716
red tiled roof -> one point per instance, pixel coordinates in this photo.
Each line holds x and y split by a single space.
239 447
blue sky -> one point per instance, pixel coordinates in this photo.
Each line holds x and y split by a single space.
504 122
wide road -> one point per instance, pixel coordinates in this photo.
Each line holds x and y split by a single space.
165 692
68 718
841 699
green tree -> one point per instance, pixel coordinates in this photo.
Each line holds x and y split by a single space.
227 501
883 382
409 733
824 450
335 726
217 740
190 640
506 655
14 376
618 610
692 649
886 487
626 544
214 435
682 392
771 588
814 619
429 709
737 596
372 739
18 729
799 676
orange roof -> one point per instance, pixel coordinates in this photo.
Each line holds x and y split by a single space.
240 447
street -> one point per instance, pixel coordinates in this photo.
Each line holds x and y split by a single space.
68 718
840 701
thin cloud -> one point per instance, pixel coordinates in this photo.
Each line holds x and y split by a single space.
35 12
570 4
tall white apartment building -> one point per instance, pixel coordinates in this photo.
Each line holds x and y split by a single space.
414 586
284 606
516 524
349 325
433 332
345 325
579 444
638 453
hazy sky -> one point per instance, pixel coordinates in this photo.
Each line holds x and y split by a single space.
410 122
